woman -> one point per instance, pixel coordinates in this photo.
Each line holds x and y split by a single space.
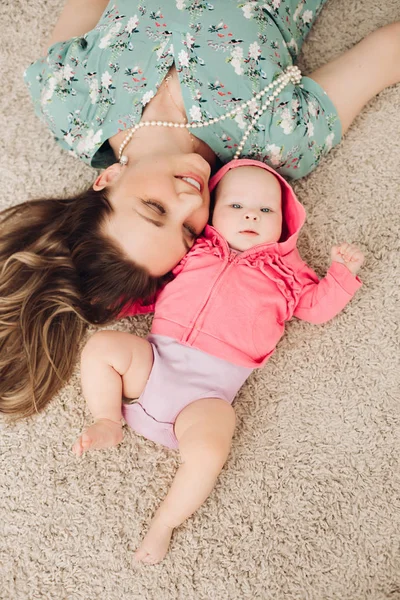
212 82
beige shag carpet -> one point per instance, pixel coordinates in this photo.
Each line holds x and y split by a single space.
308 504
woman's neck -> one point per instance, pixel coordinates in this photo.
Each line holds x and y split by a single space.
167 105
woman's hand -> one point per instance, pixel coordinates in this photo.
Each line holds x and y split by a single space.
349 255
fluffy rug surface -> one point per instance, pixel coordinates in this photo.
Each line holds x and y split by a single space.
308 503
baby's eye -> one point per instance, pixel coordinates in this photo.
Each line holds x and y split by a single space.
266 210
236 206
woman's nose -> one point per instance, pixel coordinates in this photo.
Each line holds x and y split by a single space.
251 216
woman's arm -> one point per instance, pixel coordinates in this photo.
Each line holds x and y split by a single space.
77 17
356 76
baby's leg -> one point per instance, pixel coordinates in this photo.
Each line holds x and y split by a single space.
362 72
113 363
204 430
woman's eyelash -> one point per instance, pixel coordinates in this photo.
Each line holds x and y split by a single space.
192 232
158 206
162 211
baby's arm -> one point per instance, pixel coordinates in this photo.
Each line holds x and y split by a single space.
113 364
321 300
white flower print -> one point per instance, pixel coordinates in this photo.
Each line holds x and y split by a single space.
307 16
67 72
89 142
160 52
287 123
310 129
295 105
287 126
105 40
329 141
237 58
189 40
312 109
240 121
180 4
248 10
183 58
254 50
298 10
147 97
68 139
49 91
253 107
275 151
132 23
195 113
293 44
94 90
276 3
106 80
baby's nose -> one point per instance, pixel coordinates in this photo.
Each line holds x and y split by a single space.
251 216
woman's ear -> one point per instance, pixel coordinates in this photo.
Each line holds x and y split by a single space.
107 177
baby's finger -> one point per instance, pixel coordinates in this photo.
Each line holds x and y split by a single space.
348 254
358 256
344 248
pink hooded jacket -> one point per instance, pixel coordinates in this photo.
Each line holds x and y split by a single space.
235 305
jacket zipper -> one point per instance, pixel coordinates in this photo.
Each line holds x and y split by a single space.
192 334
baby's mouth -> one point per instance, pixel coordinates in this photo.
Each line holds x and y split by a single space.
249 232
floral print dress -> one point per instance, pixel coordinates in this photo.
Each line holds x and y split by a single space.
89 88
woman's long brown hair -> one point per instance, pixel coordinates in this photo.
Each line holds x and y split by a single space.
58 273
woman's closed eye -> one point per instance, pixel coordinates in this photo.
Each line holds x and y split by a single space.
156 206
192 232
160 210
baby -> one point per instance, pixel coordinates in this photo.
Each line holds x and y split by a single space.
221 316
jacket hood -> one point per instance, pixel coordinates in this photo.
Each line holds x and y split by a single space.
293 213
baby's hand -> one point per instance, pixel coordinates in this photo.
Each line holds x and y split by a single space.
349 255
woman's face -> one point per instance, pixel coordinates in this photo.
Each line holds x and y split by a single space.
157 215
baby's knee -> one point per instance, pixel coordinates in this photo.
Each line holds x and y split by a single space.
203 445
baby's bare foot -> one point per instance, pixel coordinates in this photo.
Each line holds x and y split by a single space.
155 544
102 434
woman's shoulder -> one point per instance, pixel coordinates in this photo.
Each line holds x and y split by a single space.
88 88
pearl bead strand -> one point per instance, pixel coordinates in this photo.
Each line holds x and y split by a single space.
291 74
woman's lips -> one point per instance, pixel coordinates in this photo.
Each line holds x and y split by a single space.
197 178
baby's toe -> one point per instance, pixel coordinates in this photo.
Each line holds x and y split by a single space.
140 555
86 440
77 447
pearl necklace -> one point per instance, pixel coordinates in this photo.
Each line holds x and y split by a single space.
291 74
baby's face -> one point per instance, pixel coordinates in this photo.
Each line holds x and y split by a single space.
248 207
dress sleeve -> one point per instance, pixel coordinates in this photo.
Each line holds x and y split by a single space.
321 300
136 308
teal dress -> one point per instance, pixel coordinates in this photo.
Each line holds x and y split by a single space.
89 88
